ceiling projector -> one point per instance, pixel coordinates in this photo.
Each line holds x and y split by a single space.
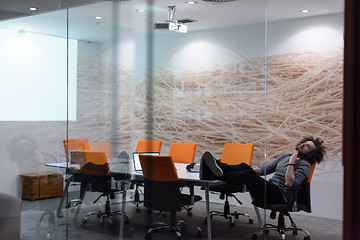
171 24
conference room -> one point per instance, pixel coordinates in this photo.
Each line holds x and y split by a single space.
92 82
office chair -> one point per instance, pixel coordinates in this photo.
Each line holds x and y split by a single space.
75 177
102 147
162 192
233 153
144 146
184 153
301 202
96 177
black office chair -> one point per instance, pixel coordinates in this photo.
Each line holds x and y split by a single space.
233 153
301 202
143 146
96 177
226 191
162 192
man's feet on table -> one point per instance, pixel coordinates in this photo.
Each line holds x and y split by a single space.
209 169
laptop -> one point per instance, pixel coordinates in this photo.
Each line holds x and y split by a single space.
76 157
136 159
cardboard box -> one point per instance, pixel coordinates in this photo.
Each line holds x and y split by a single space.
41 185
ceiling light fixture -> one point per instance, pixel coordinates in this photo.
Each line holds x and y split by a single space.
98 18
141 10
304 11
191 2
33 9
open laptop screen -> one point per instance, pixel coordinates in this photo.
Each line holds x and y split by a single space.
136 159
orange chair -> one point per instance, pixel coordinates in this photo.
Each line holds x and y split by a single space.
96 177
100 146
301 202
74 144
162 192
233 154
148 146
142 147
69 145
183 152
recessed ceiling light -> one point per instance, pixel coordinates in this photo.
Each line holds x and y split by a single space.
98 18
305 11
141 10
32 8
191 2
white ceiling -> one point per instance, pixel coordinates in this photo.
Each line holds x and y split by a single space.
82 24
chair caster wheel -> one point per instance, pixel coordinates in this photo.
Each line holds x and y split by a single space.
294 233
199 234
251 221
189 214
148 236
254 237
307 238
266 232
232 224
282 236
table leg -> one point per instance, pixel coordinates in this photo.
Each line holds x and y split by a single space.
65 192
208 220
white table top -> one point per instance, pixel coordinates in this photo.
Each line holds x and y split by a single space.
119 166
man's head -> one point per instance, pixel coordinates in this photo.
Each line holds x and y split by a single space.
311 149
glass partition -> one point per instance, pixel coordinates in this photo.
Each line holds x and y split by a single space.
111 73
37 82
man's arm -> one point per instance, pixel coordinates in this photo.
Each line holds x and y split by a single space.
289 175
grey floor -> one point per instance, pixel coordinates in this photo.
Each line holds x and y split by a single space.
39 221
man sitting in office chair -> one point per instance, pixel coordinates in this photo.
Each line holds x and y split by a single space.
289 170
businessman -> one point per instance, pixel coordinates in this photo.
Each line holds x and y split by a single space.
289 170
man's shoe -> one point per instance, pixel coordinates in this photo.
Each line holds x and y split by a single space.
209 170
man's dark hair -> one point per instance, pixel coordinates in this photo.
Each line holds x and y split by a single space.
316 155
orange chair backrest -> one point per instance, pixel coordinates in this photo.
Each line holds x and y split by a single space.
236 153
148 146
311 172
93 162
158 168
74 144
101 147
183 152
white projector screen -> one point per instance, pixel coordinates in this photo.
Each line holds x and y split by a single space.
33 75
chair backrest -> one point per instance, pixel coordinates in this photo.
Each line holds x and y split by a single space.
161 185
93 162
236 153
102 147
183 152
74 144
159 168
148 146
304 197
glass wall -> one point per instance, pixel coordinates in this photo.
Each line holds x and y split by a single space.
112 73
